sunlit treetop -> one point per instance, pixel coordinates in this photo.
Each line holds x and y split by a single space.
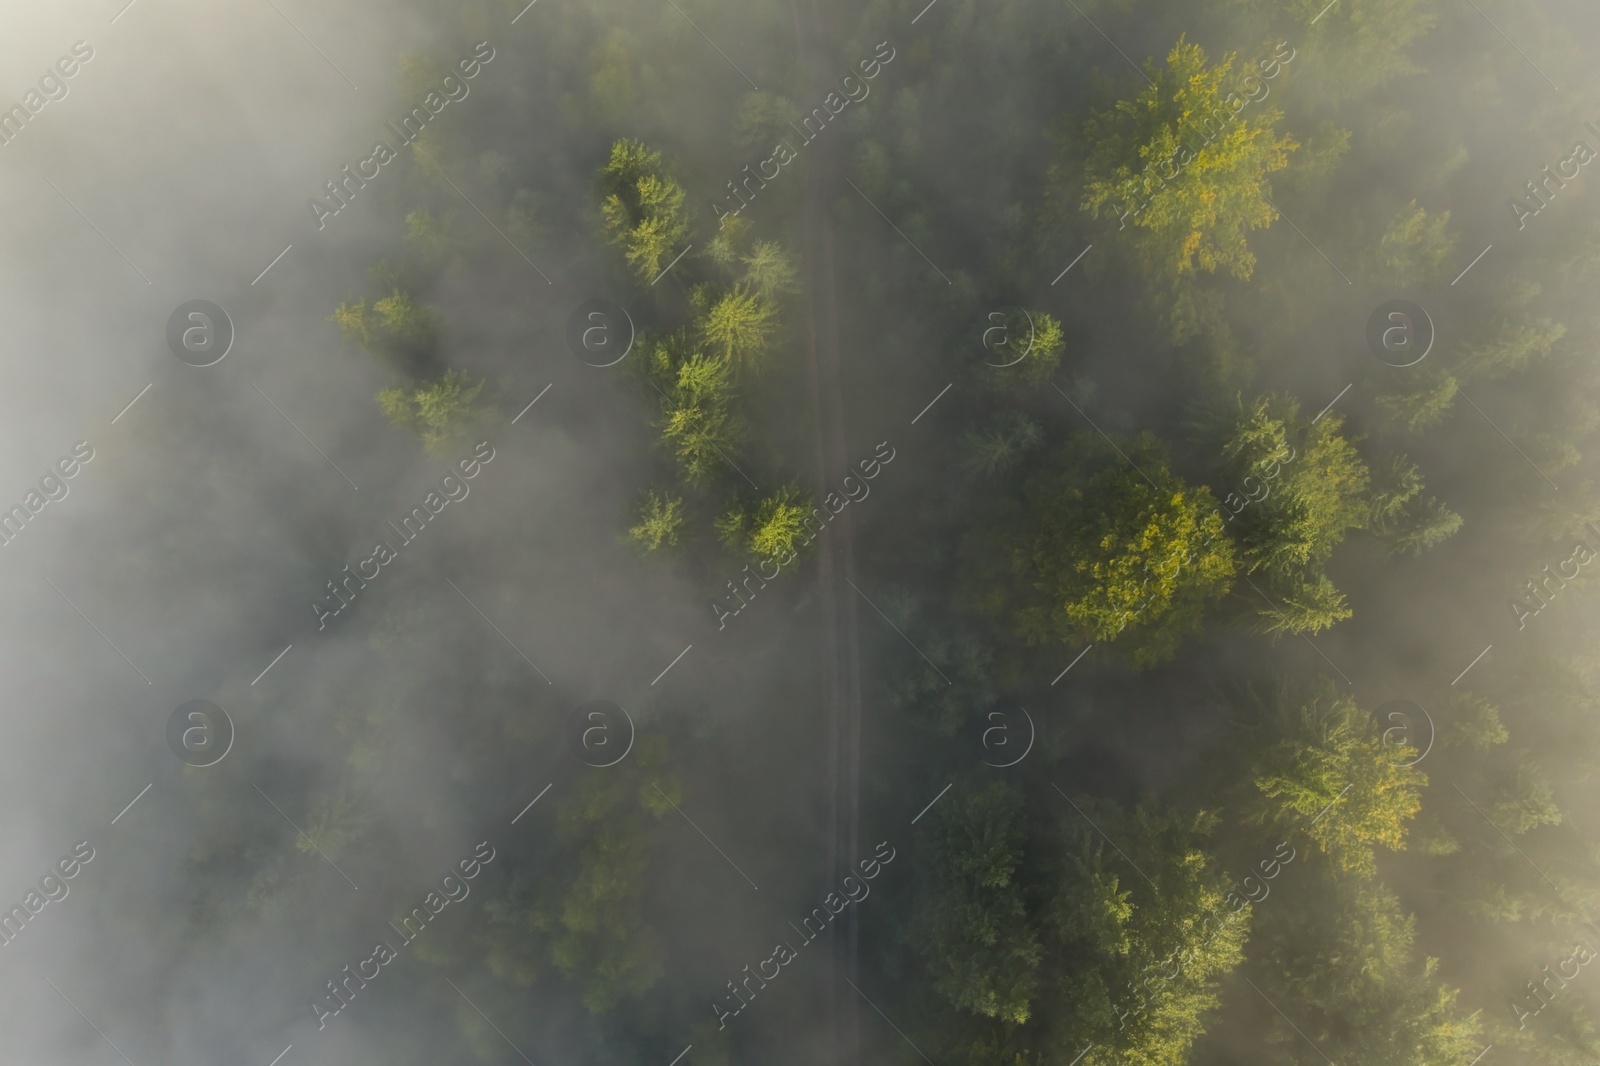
1185 162
1330 777
642 208
1101 546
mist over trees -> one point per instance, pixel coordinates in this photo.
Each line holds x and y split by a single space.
1017 535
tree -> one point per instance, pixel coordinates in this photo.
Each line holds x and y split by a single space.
962 685
335 822
427 234
697 420
770 270
1049 944
1409 522
1000 447
1516 340
1415 248
1309 606
395 327
1099 545
642 207
1025 349
737 325
1426 397
1523 798
972 921
1313 485
1326 772
439 412
588 912
772 530
1344 965
1429 522
1186 161
1134 970
660 518
1302 487
1356 48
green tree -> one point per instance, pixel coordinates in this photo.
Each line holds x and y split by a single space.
589 911
1350 50
1000 447
1024 349
1186 161
1421 399
1310 605
642 207
660 519
697 420
972 922
1311 482
1415 248
1135 964
428 234
737 325
964 681
771 530
1327 773
334 823
395 327
1347 970
1402 517
1097 546
440 412
1514 342
770 270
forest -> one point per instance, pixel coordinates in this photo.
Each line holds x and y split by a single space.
1079 510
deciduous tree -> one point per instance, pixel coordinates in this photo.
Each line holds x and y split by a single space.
1185 162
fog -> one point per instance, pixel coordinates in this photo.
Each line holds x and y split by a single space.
730 495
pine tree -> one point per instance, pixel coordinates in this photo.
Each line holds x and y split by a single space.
642 208
660 519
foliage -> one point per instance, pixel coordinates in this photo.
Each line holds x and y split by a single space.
1041 341
972 921
1513 343
1424 402
660 519
1329 774
1310 605
1097 546
395 326
642 208
1313 499
1000 447
698 422
440 412
334 823
592 917
1352 49
1415 248
1136 972
427 233
769 270
736 325
1218 154
1345 966
1302 488
772 530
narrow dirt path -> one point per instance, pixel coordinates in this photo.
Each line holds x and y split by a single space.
841 658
